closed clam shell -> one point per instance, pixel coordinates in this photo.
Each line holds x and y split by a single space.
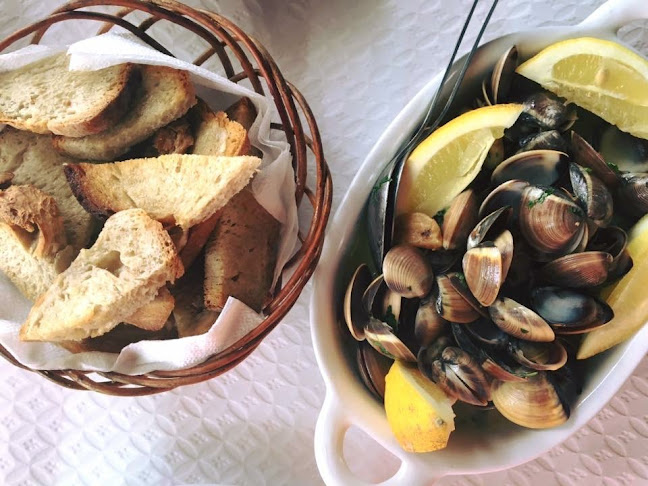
380 336
482 266
538 356
355 315
545 110
517 320
550 222
633 193
451 304
578 270
362 369
549 140
419 230
569 311
542 167
592 194
407 272
533 403
459 220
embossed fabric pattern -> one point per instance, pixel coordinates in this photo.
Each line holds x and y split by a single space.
357 63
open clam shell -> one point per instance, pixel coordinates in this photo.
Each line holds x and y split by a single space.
542 167
460 376
506 194
451 304
519 321
355 315
585 156
578 270
428 324
502 76
380 336
482 266
407 272
592 194
491 224
538 356
374 366
504 243
459 220
545 110
534 403
550 222
549 140
568 311
613 240
633 191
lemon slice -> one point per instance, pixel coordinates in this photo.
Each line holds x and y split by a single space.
601 76
627 298
418 411
448 160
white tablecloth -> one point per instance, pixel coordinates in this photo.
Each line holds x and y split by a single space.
357 63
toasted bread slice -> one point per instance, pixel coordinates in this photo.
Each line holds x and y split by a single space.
165 94
215 134
241 254
31 160
33 247
190 316
45 97
153 316
131 260
181 190
243 112
197 239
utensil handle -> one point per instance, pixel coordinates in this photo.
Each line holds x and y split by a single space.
332 426
614 14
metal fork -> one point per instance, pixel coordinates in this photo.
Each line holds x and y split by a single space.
382 202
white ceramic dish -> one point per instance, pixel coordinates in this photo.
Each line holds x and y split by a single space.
499 444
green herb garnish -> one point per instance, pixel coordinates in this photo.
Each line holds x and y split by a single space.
524 331
379 184
545 194
390 318
614 167
440 215
586 169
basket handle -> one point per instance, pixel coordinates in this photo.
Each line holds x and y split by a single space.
332 426
614 14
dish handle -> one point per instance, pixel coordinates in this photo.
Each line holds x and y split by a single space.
332 426
614 14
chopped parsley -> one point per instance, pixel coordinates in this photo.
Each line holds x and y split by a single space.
524 331
586 169
390 318
440 215
379 184
614 167
545 194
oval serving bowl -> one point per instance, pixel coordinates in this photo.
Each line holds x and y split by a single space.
499 444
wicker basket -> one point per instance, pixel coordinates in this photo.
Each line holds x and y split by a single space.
231 47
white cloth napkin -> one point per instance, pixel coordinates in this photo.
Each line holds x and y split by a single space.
273 187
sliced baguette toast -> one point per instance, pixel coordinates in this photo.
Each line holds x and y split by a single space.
132 258
181 190
45 97
241 254
31 160
33 247
216 134
165 94
154 315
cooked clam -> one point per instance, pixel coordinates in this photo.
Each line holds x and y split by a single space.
495 154
383 340
428 324
625 151
549 221
633 192
534 403
569 311
585 156
578 270
407 272
549 140
613 240
373 295
492 224
502 76
419 230
517 320
508 194
544 110
451 304
483 331
542 167
373 367
538 356
355 315
459 375
482 266
459 220
504 243
592 194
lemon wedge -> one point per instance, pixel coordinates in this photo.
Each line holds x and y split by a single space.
627 297
418 411
443 164
601 76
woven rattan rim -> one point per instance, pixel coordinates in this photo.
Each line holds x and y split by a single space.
227 42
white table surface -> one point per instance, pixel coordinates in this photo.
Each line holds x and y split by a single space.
357 63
